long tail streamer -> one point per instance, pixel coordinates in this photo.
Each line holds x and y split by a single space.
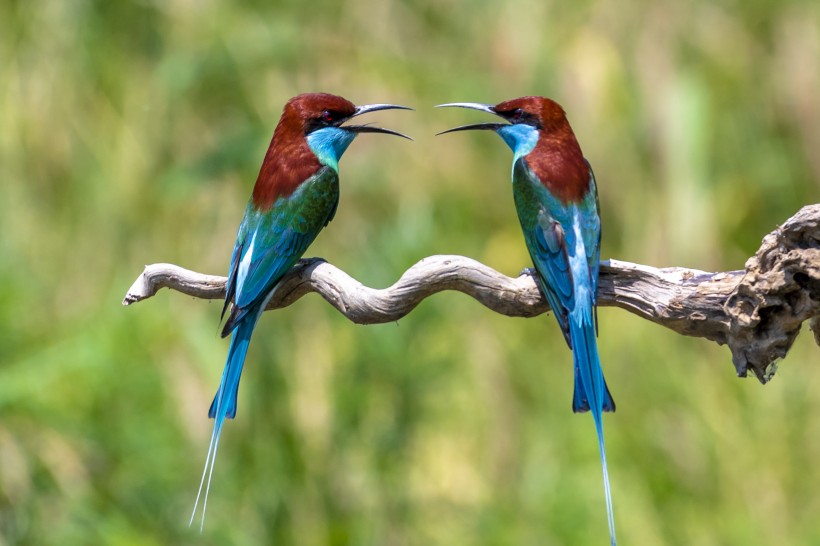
588 367
224 405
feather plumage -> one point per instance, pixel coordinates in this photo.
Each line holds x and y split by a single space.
295 196
556 199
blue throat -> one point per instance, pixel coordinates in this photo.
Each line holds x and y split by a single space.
329 143
521 138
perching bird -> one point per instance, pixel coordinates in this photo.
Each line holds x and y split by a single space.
295 196
557 203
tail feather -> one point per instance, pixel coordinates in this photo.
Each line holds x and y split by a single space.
224 406
609 513
591 392
229 385
208 470
580 401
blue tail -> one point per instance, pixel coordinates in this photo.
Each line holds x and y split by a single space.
224 404
580 401
591 392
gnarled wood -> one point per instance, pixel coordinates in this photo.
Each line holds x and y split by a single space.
757 312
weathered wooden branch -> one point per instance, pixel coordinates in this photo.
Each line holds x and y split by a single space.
757 312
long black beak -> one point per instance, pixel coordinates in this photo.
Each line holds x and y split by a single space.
476 126
364 109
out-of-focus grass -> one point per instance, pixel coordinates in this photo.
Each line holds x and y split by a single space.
131 132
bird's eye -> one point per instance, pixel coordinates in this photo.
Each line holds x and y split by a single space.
327 116
518 113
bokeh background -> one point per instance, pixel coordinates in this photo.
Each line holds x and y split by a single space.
132 132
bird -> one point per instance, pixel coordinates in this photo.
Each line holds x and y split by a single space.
556 199
296 195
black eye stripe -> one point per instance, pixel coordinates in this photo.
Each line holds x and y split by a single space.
519 115
516 113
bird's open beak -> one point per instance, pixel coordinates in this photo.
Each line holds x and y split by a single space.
364 109
476 126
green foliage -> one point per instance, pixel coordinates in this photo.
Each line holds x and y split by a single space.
131 132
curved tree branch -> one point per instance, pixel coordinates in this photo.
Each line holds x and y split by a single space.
757 312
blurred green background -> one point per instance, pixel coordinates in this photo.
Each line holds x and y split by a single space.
132 132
